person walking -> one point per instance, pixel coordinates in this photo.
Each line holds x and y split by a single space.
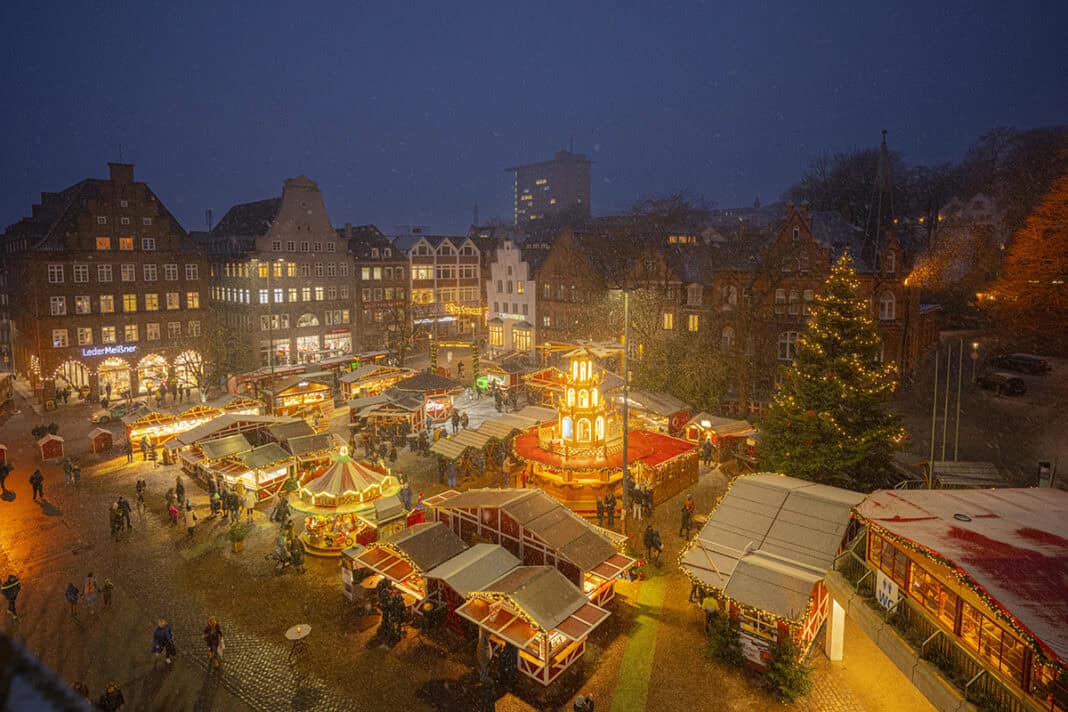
658 547
647 541
464 420
179 488
128 449
5 469
111 699
251 499
10 588
90 592
190 519
163 640
686 523
706 452
213 636
72 594
141 487
455 422
68 477
610 506
125 511
37 482
600 512
107 589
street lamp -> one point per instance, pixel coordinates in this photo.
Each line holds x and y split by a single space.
627 484
975 357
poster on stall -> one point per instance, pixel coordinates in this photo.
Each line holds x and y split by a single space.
886 590
754 649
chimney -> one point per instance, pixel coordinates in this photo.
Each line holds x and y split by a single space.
121 172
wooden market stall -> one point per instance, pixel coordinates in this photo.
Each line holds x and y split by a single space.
370 380
728 435
405 557
255 426
541 613
283 432
268 466
475 569
51 447
658 412
100 440
538 530
305 395
397 414
154 426
312 452
434 390
763 555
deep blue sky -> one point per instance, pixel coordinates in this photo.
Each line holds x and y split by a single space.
409 113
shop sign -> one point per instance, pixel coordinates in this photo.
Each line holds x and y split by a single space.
513 317
109 350
886 589
461 310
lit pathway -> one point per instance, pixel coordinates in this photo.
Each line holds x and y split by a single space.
632 686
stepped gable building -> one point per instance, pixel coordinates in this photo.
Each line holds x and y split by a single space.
107 292
446 285
381 288
282 278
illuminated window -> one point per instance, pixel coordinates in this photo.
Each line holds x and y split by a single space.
305 294
521 339
565 428
263 269
496 335
59 338
583 398
129 303
152 332
82 305
172 300
151 302
192 300
796 234
107 335
103 243
669 321
693 322
130 332
291 269
584 431
126 243
293 294
598 428
85 336
107 304
263 296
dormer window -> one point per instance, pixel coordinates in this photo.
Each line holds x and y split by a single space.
797 234
890 262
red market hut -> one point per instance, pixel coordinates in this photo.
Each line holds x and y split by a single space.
3 454
762 557
100 440
51 447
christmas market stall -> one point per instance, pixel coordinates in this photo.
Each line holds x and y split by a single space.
269 465
405 557
158 428
394 415
256 427
210 458
371 380
435 391
313 452
979 576
283 432
51 446
657 412
386 517
541 613
538 530
304 395
475 569
100 440
727 434
762 557
333 501
236 404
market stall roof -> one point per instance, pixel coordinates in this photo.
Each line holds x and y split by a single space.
321 378
503 426
373 371
472 438
199 411
475 569
309 444
427 545
146 420
1012 543
547 597
344 476
358 404
561 529
538 413
448 448
950 475
215 425
769 540
387 508
265 456
723 427
427 382
94 433
294 429
656 402
232 402
225 447
394 403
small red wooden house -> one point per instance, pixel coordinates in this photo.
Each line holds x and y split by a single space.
100 440
3 454
51 447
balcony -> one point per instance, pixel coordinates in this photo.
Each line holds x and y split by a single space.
949 674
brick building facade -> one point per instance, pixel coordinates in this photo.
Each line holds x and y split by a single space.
107 291
381 289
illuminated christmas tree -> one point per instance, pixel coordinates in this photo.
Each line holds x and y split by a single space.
828 422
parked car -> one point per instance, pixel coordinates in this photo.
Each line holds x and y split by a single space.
1021 363
1005 384
117 412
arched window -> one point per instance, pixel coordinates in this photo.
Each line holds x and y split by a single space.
598 428
565 428
307 320
584 431
583 398
571 396
887 306
726 338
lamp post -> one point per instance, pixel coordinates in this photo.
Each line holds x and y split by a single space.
627 484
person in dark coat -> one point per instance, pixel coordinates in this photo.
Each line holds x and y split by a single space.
179 489
610 507
686 523
455 421
706 451
10 588
600 512
647 541
37 482
125 510
213 636
296 554
112 699
72 594
163 640
128 449
658 547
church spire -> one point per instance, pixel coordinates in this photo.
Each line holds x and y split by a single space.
880 223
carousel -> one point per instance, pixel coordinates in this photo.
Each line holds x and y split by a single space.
334 501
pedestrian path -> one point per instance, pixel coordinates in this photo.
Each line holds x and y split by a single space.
632 686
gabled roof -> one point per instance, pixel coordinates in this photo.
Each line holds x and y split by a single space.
1011 543
425 381
295 429
428 544
265 456
225 447
542 592
221 423
248 219
305 444
769 540
656 402
475 569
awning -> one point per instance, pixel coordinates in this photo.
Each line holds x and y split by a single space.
722 427
225 447
265 456
385 562
613 567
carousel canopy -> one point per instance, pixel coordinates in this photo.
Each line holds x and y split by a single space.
225 447
345 476
265 456
285 431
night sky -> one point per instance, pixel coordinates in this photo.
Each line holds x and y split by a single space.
410 114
